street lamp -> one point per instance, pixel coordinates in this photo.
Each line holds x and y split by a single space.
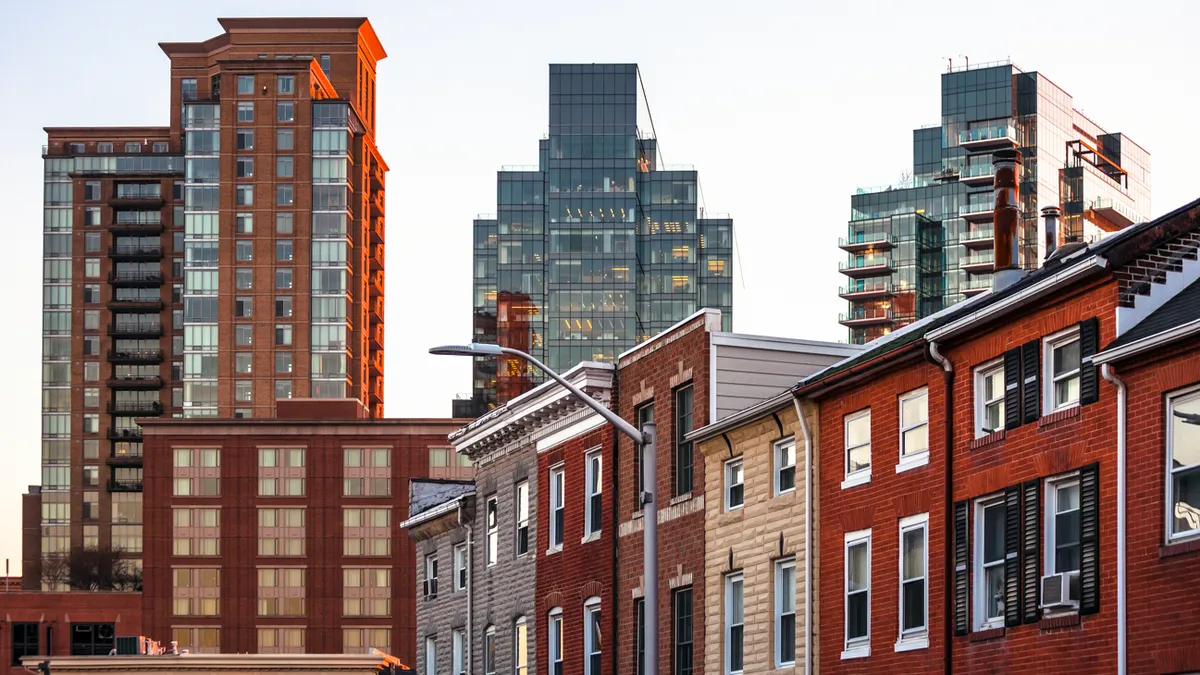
644 441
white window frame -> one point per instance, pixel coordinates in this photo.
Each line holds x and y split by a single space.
489 660
729 484
520 657
459 555
594 478
521 501
1049 343
979 585
431 576
1050 510
590 642
731 579
777 655
1184 396
777 465
492 526
912 460
982 372
858 647
860 476
914 638
430 656
554 639
557 484
458 642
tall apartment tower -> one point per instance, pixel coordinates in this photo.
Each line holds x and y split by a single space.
926 243
208 267
597 247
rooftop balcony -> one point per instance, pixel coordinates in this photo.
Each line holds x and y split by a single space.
979 238
135 329
864 290
135 356
984 261
978 175
992 137
135 382
866 241
977 213
866 266
865 317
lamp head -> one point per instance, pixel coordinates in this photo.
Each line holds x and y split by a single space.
473 349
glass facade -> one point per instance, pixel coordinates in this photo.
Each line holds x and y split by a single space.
926 242
598 246
201 233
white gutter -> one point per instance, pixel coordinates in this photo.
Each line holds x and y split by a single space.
1147 343
1122 626
1017 299
808 538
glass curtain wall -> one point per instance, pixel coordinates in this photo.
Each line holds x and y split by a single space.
202 176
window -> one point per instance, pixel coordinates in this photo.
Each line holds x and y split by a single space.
280 531
24 641
325 64
245 111
283 307
245 84
858 593
280 640
283 168
367 472
555 636
785 466
242 308
159 147
734 623
1063 531
557 510
91 268
283 279
489 650
91 216
283 223
286 84
989 398
285 111
645 414
245 167
639 638
245 195
91 242
91 191
493 531
593 514
105 148
245 139
460 567
366 591
1062 358
363 640
735 490
914 593
591 637
914 429
989 563
91 371
458 651
520 647
283 363
366 532
283 335
522 536
243 279
284 139
1183 465
133 147
196 591
431 577
683 448
430 656
283 389
681 623
243 335
244 223
858 448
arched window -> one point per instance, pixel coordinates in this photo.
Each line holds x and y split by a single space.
591 636
555 636
520 647
489 651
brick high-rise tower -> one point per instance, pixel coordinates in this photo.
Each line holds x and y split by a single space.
208 267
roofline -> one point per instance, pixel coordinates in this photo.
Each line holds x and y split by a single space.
690 318
819 387
1145 344
75 130
433 513
192 661
721 338
210 422
760 409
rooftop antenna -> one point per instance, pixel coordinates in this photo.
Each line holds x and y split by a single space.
949 64
968 60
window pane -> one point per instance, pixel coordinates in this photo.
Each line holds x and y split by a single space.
858 430
1066 357
858 567
914 553
993 533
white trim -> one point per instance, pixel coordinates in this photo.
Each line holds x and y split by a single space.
520 623
916 637
1049 343
554 638
458 642
1145 305
590 606
780 565
455 569
1050 488
908 396
712 379
1182 395
524 482
557 502
854 480
978 375
730 579
910 463
978 587
859 646
853 477
579 428
777 449
774 343
1138 346
727 484
489 530
489 635
593 472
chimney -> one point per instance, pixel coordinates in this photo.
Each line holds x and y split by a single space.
1050 230
1006 217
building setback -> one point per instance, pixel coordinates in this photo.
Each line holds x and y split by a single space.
599 245
208 267
925 243
280 535
972 478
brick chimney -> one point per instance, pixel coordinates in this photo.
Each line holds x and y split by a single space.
1006 217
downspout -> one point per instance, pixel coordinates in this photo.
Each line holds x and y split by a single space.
948 566
808 537
467 652
1122 648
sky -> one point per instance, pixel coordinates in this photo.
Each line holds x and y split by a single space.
784 107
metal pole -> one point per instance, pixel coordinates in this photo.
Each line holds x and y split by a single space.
649 549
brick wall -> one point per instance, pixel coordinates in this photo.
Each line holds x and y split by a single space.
55 612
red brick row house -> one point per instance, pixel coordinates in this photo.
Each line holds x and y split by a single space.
1011 484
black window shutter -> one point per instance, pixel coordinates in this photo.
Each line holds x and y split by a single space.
1089 344
1030 392
962 560
1031 562
1012 388
1089 539
1012 556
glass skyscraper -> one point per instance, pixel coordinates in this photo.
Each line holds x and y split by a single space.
598 246
926 242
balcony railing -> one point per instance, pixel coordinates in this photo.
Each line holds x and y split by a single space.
991 136
135 382
135 304
125 434
978 175
864 316
125 485
135 277
134 251
865 265
982 262
132 329
1113 211
978 238
860 241
866 289
137 228
126 459
135 356
977 212
135 407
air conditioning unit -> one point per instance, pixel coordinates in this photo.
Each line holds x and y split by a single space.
1060 590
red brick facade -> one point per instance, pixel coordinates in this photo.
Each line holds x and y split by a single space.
55 612
581 570
653 373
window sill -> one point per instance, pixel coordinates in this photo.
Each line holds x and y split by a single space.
735 509
1179 548
912 643
855 479
858 652
552 551
912 462
637 514
1056 417
595 536
985 634
994 437
687 496
784 493
1059 621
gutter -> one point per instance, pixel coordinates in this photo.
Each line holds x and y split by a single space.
820 387
948 552
808 537
1188 329
1109 374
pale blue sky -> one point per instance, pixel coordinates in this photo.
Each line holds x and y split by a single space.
784 108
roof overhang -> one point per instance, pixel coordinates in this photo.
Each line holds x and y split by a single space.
753 413
1170 336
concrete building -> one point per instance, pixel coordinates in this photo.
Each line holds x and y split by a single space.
756 538
210 266
279 535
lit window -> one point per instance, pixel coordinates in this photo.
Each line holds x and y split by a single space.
196 591
914 592
735 490
520 647
281 591
366 591
734 623
1062 359
858 593
1183 465
989 563
593 515
785 466
989 398
914 428
858 448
